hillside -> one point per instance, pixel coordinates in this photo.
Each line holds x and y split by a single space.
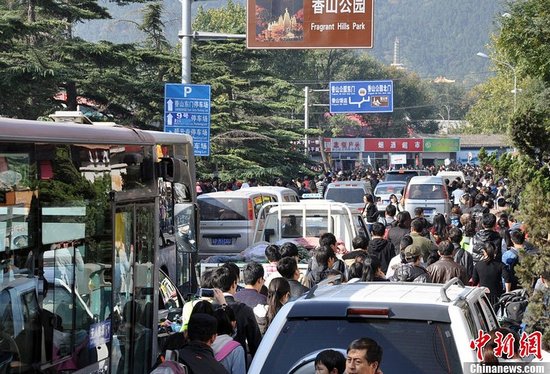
437 37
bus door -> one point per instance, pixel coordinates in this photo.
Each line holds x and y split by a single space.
133 287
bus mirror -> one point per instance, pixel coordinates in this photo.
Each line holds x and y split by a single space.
186 227
173 170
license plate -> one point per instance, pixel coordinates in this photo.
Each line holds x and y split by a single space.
222 241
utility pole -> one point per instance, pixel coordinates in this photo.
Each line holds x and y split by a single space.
186 38
187 35
306 119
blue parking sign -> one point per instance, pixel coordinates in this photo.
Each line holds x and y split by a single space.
361 96
187 111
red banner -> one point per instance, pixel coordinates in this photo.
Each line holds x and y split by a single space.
393 145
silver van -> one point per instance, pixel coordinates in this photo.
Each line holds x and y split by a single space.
228 219
429 193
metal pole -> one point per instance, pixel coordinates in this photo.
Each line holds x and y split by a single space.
186 39
306 119
515 88
509 66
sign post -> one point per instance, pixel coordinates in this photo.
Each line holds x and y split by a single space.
361 97
187 111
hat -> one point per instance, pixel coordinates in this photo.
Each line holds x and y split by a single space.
412 251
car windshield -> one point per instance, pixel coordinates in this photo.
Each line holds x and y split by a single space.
226 209
346 195
426 192
388 190
401 176
403 351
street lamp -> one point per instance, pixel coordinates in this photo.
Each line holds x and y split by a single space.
515 91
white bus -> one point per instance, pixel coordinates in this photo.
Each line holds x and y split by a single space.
87 214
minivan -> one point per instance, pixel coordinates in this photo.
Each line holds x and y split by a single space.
451 175
350 193
429 193
403 175
422 327
228 219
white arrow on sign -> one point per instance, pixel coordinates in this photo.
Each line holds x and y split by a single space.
170 105
169 119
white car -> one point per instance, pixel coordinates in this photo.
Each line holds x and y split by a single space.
384 190
422 327
350 193
428 193
306 221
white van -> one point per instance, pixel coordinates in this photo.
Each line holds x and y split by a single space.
228 219
350 193
451 175
306 221
429 193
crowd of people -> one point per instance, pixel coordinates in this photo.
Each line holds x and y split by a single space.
480 243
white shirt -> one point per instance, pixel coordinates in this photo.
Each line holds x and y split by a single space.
457 194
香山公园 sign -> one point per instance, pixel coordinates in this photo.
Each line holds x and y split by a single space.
310 24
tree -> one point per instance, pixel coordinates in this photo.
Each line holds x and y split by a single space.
45 68
254 129
522 42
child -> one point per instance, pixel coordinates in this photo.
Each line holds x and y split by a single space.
330 361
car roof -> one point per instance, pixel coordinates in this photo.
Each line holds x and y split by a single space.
421 301
405 171
426 180
310 205
345 184
391 183
244 192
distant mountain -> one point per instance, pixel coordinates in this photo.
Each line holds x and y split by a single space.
436 37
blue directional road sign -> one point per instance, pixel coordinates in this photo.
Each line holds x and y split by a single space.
361 97
187 111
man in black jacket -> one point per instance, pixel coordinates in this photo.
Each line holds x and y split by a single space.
198 355
379 247
288 268
487 234
248 332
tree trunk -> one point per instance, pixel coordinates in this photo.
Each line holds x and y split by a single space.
324 158
70 88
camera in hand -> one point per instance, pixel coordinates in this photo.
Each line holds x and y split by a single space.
205 292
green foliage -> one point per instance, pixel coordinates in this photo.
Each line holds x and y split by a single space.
529 184
524 36
436 37
493 107
125 82
229 19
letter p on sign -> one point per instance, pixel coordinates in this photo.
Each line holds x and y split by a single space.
186 91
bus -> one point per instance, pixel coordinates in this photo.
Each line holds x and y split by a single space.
98 233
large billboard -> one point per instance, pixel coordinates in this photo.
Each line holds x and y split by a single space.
310 24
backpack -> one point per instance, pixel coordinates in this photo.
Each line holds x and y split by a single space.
170 365
226 350
511 306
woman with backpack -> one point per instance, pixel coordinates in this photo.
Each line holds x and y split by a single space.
227 351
